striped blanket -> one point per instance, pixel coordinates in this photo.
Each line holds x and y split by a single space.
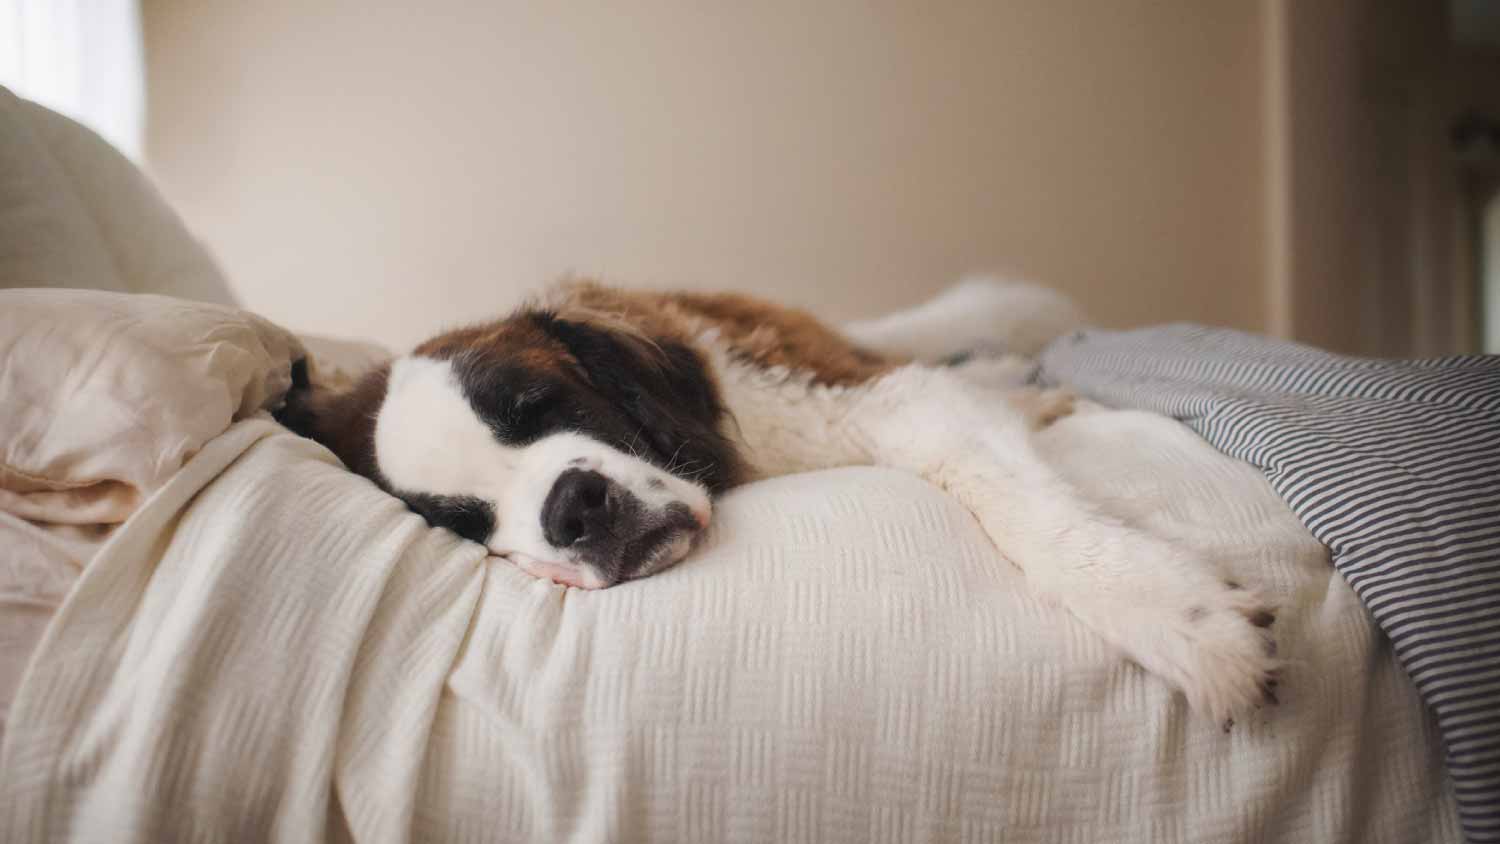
1394 465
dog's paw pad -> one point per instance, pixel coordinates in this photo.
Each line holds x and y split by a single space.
1220 651
1235 668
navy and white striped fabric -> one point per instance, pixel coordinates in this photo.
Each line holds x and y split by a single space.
1394 465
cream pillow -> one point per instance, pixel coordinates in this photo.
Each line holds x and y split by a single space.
103 396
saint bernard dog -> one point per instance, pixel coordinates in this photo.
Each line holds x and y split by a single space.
584 437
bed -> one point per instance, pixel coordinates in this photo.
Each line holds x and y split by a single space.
213 631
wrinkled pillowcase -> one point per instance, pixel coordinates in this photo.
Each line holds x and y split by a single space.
106 395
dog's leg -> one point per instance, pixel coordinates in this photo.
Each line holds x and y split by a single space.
1167 609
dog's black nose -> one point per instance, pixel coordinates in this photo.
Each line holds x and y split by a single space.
577 508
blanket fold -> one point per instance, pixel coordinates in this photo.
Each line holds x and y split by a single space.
128 733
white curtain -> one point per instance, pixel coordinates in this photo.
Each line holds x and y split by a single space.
82 58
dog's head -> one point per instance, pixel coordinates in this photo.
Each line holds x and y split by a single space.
582 449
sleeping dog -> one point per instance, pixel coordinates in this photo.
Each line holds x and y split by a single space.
585 437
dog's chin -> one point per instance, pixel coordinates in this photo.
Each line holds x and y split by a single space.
653 552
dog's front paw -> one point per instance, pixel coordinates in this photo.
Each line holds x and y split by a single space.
1220 652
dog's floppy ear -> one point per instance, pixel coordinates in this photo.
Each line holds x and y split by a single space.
342 421
296 411
665 387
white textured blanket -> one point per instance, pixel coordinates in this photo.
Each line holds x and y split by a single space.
273 649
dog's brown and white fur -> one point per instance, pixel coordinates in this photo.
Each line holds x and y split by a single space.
585 437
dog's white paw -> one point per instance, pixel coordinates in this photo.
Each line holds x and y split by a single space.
1218 649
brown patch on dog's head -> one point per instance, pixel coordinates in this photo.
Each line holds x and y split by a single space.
651 395
539 372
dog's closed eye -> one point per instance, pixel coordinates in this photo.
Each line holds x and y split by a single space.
526 414
534 401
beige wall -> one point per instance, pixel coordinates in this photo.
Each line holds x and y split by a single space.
382 169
